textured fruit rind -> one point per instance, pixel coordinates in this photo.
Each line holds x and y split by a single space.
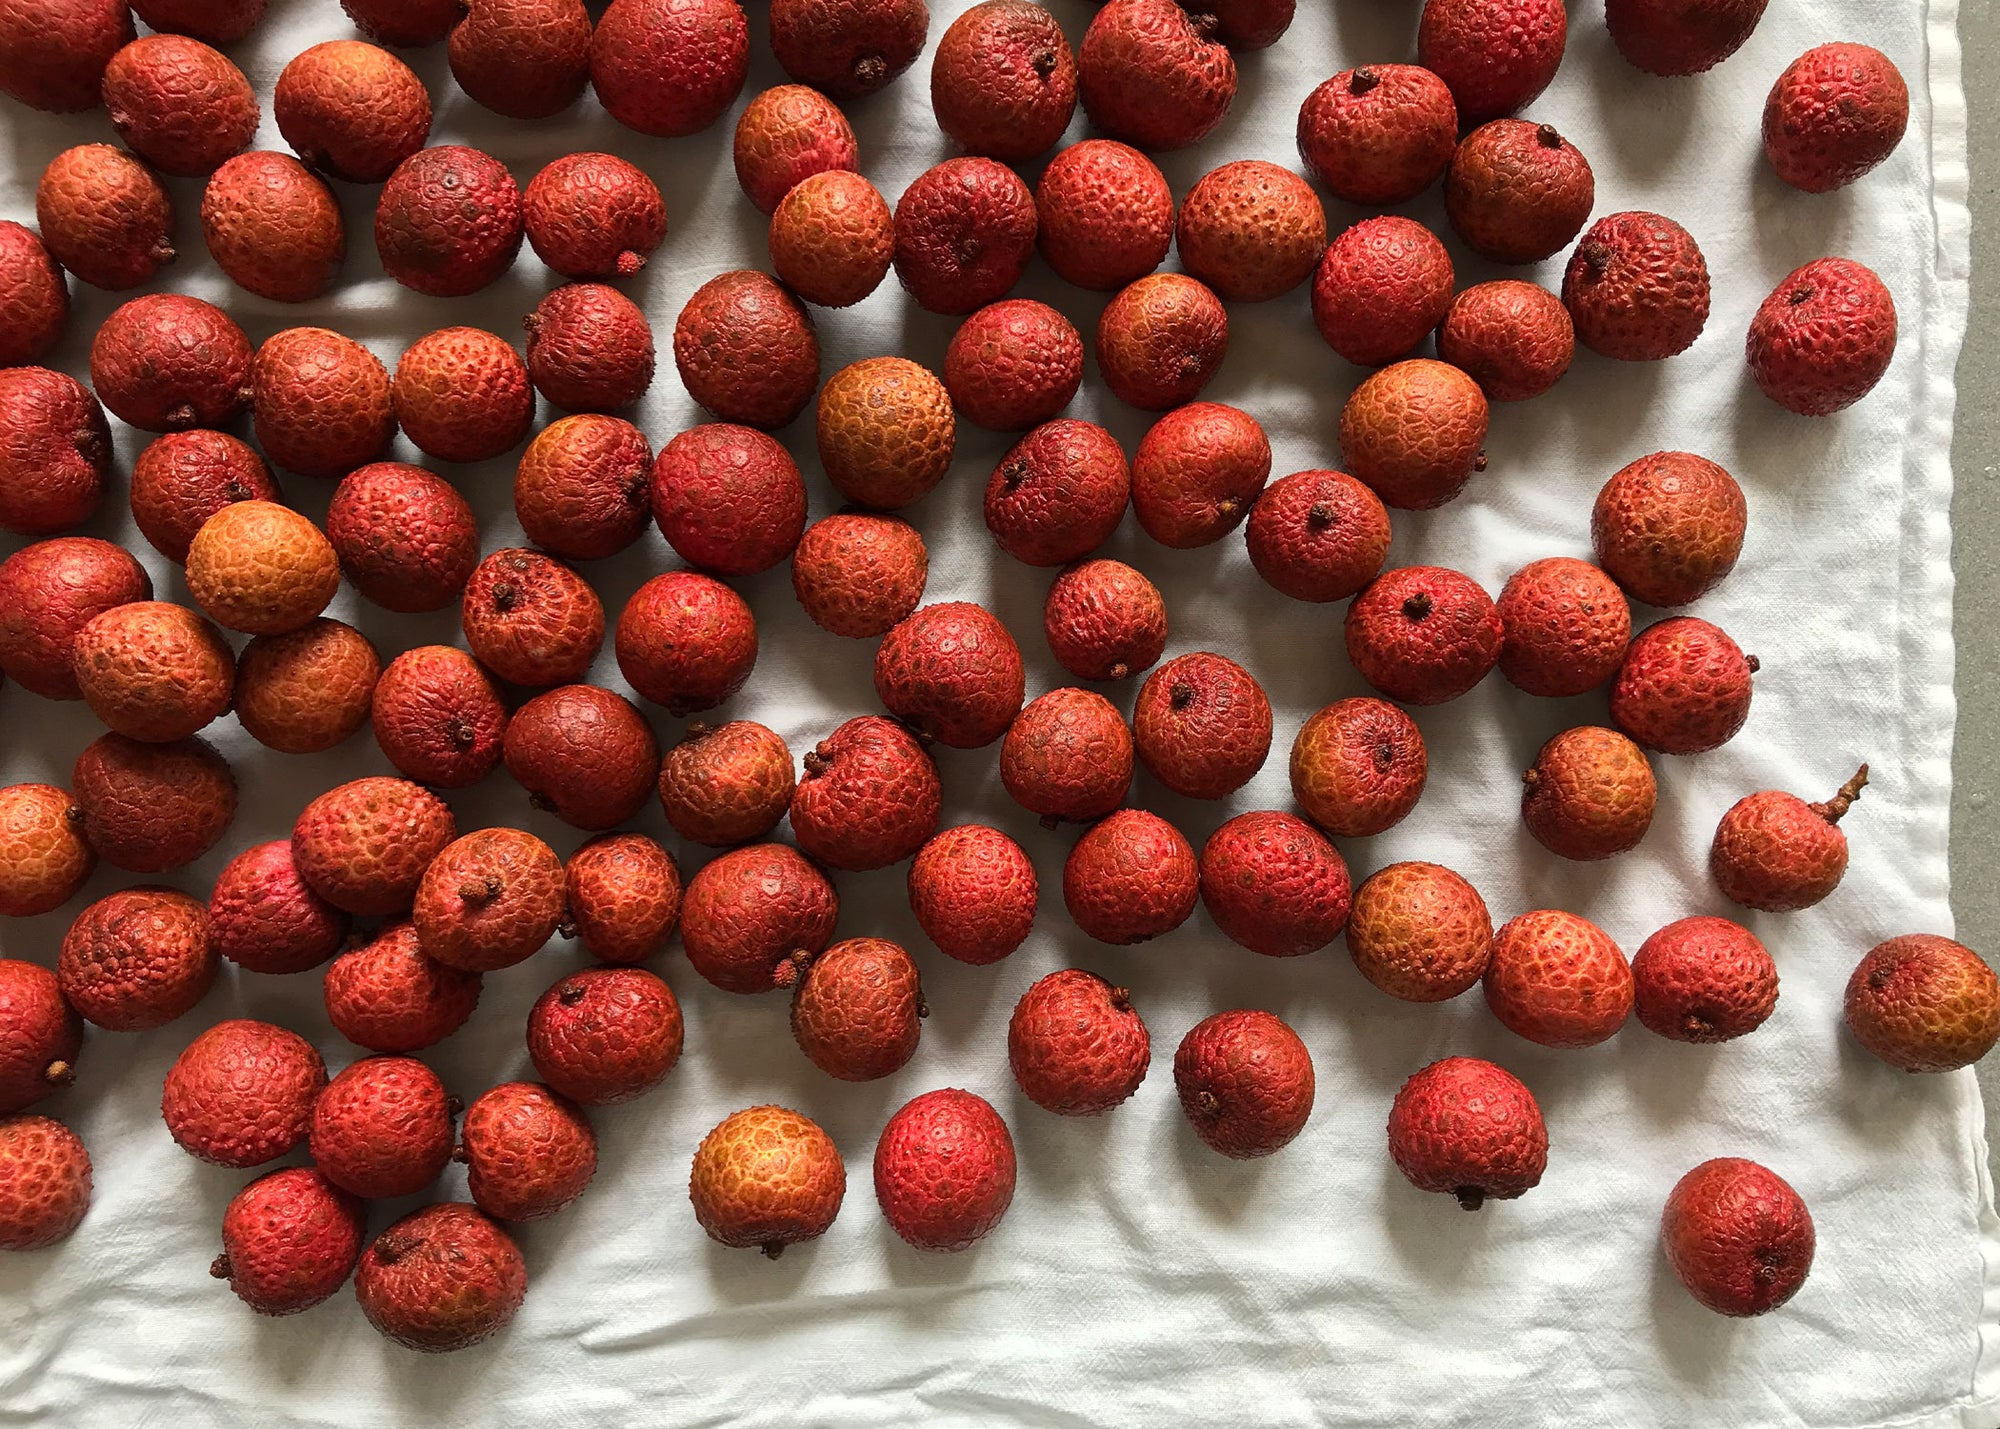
1558 980
766 1177
1469 1129
944 1170
1075 1044
1245 1082
1419 932
442 1278
1924 1004
1737 1236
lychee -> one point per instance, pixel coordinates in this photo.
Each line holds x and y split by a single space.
1149 73
1469 1129
1680 37
1068 756
973 891
44 1182
727 784
1245 1082
351 110
526 59
832 238
1075 1044
1105 216
605 1035
1161 339
382 1128
1738 1236
55 53
1924 1003
1059 492
952 672
438 717
528 1152
1415 432
363 846
404 23
261 568
153 671
147 808
869 796
44 857
1775 852
1130 878
1684 687
746 350
183 478
1703 980
766 1177
220 22
1590 794
1378 134
964 233
289 1241
1514 339
1317 535
442 1278
1202 725
530 619
1564 627
104 216
1013 363
1423 634
1496 55
178 104
1198 471
1251 230
585 753
580 488
857 1009
406 539
1636 288
885 431
1275 884
388 997
787 134
462 394
944 1170
589 348
137 959
242 1093
669 67
1380 288
321 402
263 917
34 297
623 897
1558 980
489 900
273 227
1003 80
50 590
729 499
42 1035
749 910
1822 339
1358 767
686 641
1104 621
1518 192
55 451
1835 113
1419 932
1668 527
448 221
847 48
593 215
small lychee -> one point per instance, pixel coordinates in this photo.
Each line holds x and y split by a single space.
1423 634
1518 192
857 1008
869 796
1589 795
1564 627
1924 1003
1636 288
766 1177
388 997
589 348
289 1241
530 619
1836 112
1202 725
528 1152
1067 756
1823 338
1737 1236
1058 493
1076 1045
973 891
857 573
489 900
1130 878
1703 980
263 917
1378 134
584 753
1419 932
1415 432
1358 767
622 895
1668 527
1014 363
785 135
1252 231
1684 687
605 1035
44 1182
1275 884
137 959
1245 1082
273 226
242 1093
593 215
944 1170
1160 339
1104 621
438 717
965 231
1514 339
382 1128
1198 471
749 910
727 784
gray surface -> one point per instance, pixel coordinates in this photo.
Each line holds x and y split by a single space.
1975 516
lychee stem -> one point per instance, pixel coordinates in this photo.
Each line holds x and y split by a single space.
483 890
59 1073
1043 63
1050 822
1470 1198
571 994
1418 606
183 416
1548 137
74 816
630 263
1320 516
697 729
1206 1103
1595 256
1840 803
1363 80
791 967
1385 755
1121 998
219 1267
1752 664
772 1249
816 763
504 596
1119 671
459 1154
1181 696
1530 778
459 731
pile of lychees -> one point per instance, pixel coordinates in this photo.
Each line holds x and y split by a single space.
403 914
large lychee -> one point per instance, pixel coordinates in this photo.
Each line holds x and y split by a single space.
351 110
580 490
438 717
964 233
242 1093
388 997
669 67
382 1128
623 897
1564 627
729 499
857 574
585 753
489 900
785 135
1013 364
1358 767
364 845
953 672
104 216
766 1177
1197 473
1636 287
749 910
322 402
1058 493
1003 80
1106 216
1836 112
462 394
847 48
973 891
1202 725
55 451
34 297
1075 1044
1738 1236
1822 339
746 350
262 916
55 53
448 221
1378 134
150 807
1245 1082
50 590
261 568
1680 37
1924 1003
1251 230
289 1241
528 1151
944 1170
153 671
1068 756
180 105
1423 634
605 1035
686 641
1318 535
589 348
858 1008
869 796
1589 795
1275 884
1104 620
442 1278
1668 527
137 959
273 226
832 238
1151 75
1161 339
1496 55
526 59
530 619
1380 287
727 784
1703 980
1130 878
1415 432
1558 979
1684 687
1469 1129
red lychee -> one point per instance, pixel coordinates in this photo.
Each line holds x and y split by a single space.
1684 687
1496 55
1423 634
1150 74
1589 795
785 135
1415 432
1564 627
1161 339
153 671
1468 1129
584 753
746 350
262 916
1130 878
686 641
1835 113
727 784
1058 493
729 499
388 997
382 1128
50 590
1075 1044
1202 725
1250 230
1514 339
1668 527
1822 339
1275 884
623 897
438 717
40 1035
1245 1082
858 1009
669 67
526 59
857 574
442 1278
528 1152
1703 980
593 215
1518 192
406 539
1068 756
605 1035
1924 1003
1003 80
44 1182
489 900
242 1093
1104 621
1738 1236
1775 852
589 349
580 490
147 808
832 238
1378 134
1680 37
973 891
1558 980
166 362
448 221
847 48
1013 363
1358 767
1380 288
944 1170
953 672
750 909
1106 216
1197 473
289 1241
530 619
55 451
964 233
869 796
364 845
137 959
1636 288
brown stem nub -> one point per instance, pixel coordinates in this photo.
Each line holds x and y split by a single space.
772 1249
460 732
816 763
1470 1198
390 1247
1418 606
504 596
460 1154
1206 1103
1121 671
1385 755
1479 462
697 729
481 890
1801 294
1320 516
1362 80
1050 822
1840 803
59 1073
1181 696
1530 778
74 816
1595 257
1547 136
1044 63
1121 998
219 1267
571 994
791 967
1752 663
923 1007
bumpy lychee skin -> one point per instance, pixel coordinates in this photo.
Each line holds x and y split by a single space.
44 1182
1496 55
605 1035
528 1152
589 348
1468 1129
49 591
973 891
1130 878
181 106
1105 214
944 1170
1423 634
1202 725
261 568
1378 134
43 1035
218 22
746 350
526 59
442 1278
1678 37
448 221
1636 288
1564 627
388 997
1274 884
580 490
1068 756
289 1241
1419 932
965 230
351 110
1245 1082
489 900
1822 339
1558 980
728 784
1013 364
1380 288
869 796
832 238
462 394
55 54
153 671
242 1093
885 431
263 917
1003 80
686 641
1738 1236
406 539
273 227
438 717
308 690
766 1177
1318 535
749 910
55 451
857 574
785 135
44 857
322 403
1835 113
404 23
1684 687
1160 340
729 499
530 619
1104 621
1197 473
104 216
1775 852
847 49
1149 73
858 1009
593 215
1514 339
1668 527
624 897
137 959
1415 432
382 1128
1518 192
34 297
183 478
1059 492
1590 794
1924 1003
1358 767
584 753
669 67
147 808
1703 980
952 672
1075 1044
1251 230
364 846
